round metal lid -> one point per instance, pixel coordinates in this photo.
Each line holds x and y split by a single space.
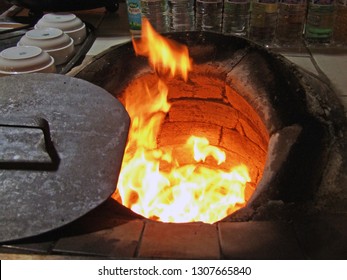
61 146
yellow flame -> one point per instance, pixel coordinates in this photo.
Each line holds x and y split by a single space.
202 149
163 54
152 182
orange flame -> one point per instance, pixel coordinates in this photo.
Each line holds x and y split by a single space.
163 54
152 182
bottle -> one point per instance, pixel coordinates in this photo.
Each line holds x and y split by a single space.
290 22
236 15
340 27
156 11
182 15
320 21
209 15
263 21
134 16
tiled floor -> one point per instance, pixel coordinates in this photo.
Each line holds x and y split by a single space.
317 237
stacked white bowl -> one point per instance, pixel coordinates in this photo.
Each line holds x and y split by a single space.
51 43
52 40
69 23
25 59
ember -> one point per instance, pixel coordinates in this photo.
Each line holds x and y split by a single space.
153 181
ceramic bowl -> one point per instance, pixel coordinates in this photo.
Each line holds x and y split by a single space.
69 23
52 40
25 59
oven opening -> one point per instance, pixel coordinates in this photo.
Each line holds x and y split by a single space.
194 154
196 149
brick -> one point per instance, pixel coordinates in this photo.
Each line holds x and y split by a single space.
204 111
179 241
119 241
199 85
258 240
233 141
172 133
256 85
254 133
247 115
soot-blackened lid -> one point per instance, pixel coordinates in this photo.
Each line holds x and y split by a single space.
62 141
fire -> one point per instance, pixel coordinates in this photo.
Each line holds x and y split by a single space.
163 54
152 181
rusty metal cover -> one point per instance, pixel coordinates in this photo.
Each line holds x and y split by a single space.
62 141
